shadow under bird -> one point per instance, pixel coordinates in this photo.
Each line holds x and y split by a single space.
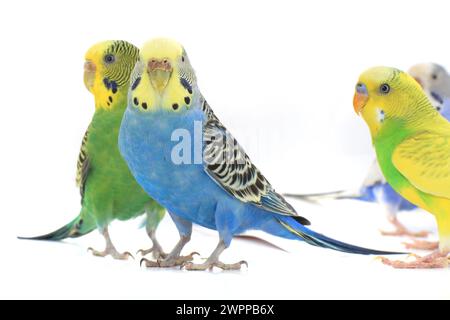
214 184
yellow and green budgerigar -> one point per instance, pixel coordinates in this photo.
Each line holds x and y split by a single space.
108 190
412 143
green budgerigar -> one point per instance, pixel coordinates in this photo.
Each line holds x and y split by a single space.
412 143
108 190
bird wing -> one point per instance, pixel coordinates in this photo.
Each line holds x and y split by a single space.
83 165
229 166
424 159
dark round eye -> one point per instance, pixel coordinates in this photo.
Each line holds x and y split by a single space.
109 58
385 88
182 58
434 76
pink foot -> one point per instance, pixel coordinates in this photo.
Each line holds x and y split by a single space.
422 245
436 260
401 230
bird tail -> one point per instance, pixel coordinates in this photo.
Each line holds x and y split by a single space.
316 239
78 227
362 195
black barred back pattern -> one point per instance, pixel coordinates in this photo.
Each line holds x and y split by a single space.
82 165
186 73
230 167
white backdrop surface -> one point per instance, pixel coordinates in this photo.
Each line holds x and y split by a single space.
279 74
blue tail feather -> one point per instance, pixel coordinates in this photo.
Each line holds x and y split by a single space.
316 239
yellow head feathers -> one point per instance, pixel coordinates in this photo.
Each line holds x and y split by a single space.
162 48
164 77
384 93
107 70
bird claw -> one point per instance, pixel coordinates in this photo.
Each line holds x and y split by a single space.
149 263
413 255
111 252
400 230
192 254
169 262
156 251
431 261
421 245
401 233
210 266
128 254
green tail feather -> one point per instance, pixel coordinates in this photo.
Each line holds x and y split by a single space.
76 228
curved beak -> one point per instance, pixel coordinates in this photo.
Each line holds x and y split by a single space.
159 71
89 74
360 98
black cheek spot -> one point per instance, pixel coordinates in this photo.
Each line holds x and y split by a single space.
108 103
187 100
110 99
144 105
136 101
107 83
175 106
113 86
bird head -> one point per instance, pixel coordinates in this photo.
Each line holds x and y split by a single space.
383 94
435 81
431 76
107 70
163 78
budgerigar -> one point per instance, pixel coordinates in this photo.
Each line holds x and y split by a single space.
412 143
184 157
435 81
108 190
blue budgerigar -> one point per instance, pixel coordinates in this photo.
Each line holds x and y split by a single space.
184 157
435 81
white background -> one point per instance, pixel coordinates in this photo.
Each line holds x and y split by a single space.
279 74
